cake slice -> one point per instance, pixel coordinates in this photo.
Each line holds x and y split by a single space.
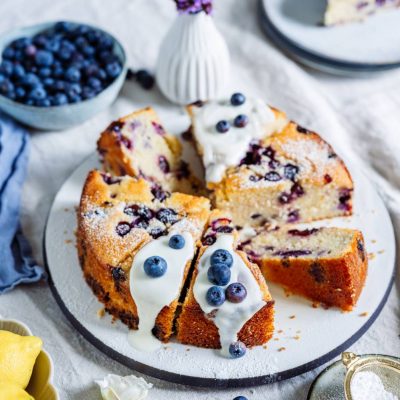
241 320
138 145
327 265
343 11
285 174
121 224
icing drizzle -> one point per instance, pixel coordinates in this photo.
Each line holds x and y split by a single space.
152 294
230 317
223 150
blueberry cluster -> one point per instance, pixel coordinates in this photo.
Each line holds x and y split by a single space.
219 274
237 99
66 63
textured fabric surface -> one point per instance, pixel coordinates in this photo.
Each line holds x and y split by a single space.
16 263
361 115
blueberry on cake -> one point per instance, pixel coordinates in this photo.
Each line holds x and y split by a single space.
228 305
138 145
343 11
265 170
136 248
327 265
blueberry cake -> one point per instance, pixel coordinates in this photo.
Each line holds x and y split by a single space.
138 145
122 224
288 175
228 304
328 265
343 11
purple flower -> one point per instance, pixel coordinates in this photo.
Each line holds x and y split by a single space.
194 6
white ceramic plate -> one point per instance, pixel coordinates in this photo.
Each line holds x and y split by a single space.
305 337
371 45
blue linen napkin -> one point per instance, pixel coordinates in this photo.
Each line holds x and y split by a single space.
16 263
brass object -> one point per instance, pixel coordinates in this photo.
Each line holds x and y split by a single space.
386 367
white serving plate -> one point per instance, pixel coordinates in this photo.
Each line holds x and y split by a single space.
310 338
371 45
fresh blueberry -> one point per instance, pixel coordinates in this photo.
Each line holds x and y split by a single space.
94 83
19 71
219 274
43 102
291 171
123 228
113 69
155 266
101 74
58 71
64 53
240 398
20 92
53 45
74 97
88 93
7 89
177 242
88 50
37 93
167 216
60 99
145 79
72 74
29 102
241 121
48 82
60 86
39 40
222 126
6 68
30 50
105 42
21 43
44 58
30 80
238 99
74 88
221 256
44 72
237 349
236 292
215 296
64 27
8 53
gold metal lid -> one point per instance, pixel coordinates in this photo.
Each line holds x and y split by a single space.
387 368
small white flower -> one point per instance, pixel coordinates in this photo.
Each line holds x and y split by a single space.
114 387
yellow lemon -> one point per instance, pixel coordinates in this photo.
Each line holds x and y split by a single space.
17 358
10 391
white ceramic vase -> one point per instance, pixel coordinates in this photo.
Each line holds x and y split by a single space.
193 62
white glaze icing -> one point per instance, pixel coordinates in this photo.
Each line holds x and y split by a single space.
115 387
230 317
223 150
152 294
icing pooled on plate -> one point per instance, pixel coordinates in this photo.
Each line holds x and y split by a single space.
153 292
115 387
229 317
224 132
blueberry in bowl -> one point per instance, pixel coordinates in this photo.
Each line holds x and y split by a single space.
57 75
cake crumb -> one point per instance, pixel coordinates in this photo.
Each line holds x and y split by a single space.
363 314
287 292
381 251
371 256
315 304
298 331
66 209
373 241
292 317
280 331
276 339
282 349
101 312
297 337
187 349
265 347
68 241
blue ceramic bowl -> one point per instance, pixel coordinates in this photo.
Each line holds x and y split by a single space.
68 115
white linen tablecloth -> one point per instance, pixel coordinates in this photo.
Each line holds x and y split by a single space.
363 115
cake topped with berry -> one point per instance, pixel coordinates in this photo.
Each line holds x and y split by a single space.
118 217
287 175
223 130
228 305
138 145
344 11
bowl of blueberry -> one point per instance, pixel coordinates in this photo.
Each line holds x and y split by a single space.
57 75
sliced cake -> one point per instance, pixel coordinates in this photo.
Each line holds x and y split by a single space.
228 304
327 265
286 174
138 145
343 11
135 249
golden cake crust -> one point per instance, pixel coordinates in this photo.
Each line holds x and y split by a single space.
106 257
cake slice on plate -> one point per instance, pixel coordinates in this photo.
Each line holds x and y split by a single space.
228 304
138 145
327 265
135 250
265 170
343 11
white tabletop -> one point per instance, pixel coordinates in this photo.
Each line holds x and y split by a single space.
360 115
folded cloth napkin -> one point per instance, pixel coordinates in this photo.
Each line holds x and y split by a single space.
16 263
